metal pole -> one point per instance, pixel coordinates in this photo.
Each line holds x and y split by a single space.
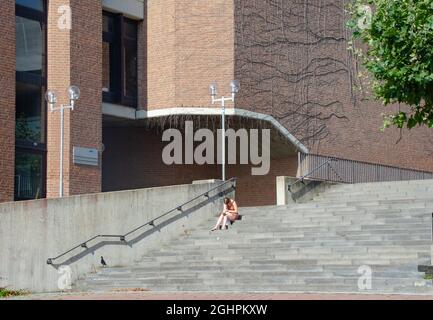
61 151
223 126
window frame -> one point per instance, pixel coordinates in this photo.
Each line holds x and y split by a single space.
119 40
25 146
43 181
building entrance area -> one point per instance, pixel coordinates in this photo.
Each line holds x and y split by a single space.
133 154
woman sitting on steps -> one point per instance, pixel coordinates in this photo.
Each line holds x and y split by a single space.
230 213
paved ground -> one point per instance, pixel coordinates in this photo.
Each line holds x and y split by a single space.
143 295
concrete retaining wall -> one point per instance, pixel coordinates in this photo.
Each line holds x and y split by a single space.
33 231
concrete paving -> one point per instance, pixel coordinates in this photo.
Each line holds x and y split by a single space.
143 295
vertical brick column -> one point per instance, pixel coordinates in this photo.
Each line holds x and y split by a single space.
142 63
7 99
190 44
75 58
161 54
58 73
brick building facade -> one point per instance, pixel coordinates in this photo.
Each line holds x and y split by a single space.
74 57
7 99
146 65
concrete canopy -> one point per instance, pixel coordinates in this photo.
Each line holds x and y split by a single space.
132 114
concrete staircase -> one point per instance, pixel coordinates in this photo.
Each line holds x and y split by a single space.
317 246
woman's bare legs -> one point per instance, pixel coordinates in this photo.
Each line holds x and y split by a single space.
225 221
220 219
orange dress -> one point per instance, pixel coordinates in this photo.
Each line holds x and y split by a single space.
232 206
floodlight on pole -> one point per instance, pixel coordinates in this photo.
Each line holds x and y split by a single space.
74 94
51 98
213 90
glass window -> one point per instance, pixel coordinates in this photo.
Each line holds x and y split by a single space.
130 60
29 45
130 28
106 62
30 113
28 176
30 125
32 4
108 23
111 81
130 72
119 65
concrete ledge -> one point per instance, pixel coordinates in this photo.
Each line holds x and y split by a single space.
143 114
299 192
133 114
118 111
207 181
33 231
133 9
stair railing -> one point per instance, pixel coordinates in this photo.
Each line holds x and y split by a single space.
301 179
151 223
354 171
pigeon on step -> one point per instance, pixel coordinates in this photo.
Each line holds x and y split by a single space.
104 264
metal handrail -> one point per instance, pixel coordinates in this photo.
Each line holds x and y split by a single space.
301 179
122 238
354 171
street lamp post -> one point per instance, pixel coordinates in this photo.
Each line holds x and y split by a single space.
51 97
234 87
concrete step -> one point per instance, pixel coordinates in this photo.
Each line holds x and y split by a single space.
287 257
374 197
226 279
309 247
345 287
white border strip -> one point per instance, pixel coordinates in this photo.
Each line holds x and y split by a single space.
125 112
134 9
118 111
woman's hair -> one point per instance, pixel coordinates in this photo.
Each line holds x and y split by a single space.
226 200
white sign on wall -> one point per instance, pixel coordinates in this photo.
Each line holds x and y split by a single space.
85 156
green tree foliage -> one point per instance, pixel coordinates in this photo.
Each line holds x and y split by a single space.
398 53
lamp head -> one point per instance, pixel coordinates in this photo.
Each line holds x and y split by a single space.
234 86
213 89
74 93
51 97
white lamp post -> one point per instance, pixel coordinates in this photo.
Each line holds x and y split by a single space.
51 97
234 87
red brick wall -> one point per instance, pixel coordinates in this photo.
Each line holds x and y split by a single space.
261 190
190 45
132 159
75 58
86 73
58 52
302 76
161 53
7 100
142 63
293 63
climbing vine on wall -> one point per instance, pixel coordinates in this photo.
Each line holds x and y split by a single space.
292 57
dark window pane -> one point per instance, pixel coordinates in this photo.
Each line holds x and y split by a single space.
130 28
30 113
130 72
119 61
30 46
106 61
28 176
108 23
33 4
